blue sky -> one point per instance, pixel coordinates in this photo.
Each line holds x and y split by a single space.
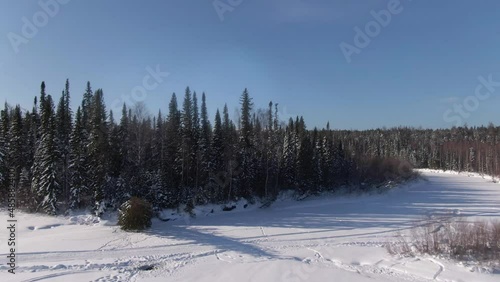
423 63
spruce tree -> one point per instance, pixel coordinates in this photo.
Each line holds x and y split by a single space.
186 149
16 154
218 176
78 165
246 152
45 184
3 154
204 149
98 152
172 163
63 132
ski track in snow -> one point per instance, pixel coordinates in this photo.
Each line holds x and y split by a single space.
310 240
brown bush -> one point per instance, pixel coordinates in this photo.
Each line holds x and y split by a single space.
461 240
380 170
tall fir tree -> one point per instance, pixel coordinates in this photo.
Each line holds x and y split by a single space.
78 164
16 153
45 184
98 152
172 163
4 130
218 176
246 152
63 132
186 149
204 156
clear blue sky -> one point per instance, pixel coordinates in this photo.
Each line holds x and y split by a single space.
427 58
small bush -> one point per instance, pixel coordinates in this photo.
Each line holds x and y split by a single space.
135 215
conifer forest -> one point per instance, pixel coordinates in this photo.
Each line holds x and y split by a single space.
57 158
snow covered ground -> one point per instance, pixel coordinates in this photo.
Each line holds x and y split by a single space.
318 239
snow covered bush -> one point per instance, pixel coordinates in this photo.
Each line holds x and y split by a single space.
135 215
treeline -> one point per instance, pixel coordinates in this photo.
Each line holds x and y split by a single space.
58 159
470 149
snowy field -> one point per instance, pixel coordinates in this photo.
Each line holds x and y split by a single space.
317 239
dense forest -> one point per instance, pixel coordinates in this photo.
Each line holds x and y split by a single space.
56 158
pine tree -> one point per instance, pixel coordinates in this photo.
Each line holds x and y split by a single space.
204 157
246 147
16 154
78 165
305 166
45 183
63 132
289 160
88 97
186 150
218 176
195 152
269 151
98 152
3 154
24 196
231 165
172 164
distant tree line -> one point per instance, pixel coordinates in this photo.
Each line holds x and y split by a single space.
58 159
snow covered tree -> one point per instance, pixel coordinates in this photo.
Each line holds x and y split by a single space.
218 177
3 153
16 153
78 164
63 131
172 163
98 152
204 156
246 148
45 183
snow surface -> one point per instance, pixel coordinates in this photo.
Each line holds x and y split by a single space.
318 239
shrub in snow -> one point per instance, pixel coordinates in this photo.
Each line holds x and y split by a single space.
135 215
462 240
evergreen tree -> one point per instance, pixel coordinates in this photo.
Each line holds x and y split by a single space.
204 148
218 176
98 152
246 147
87 101
231 165
63 132
78 164
16 153
195 152
3 154
172 163
186 149
45 183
